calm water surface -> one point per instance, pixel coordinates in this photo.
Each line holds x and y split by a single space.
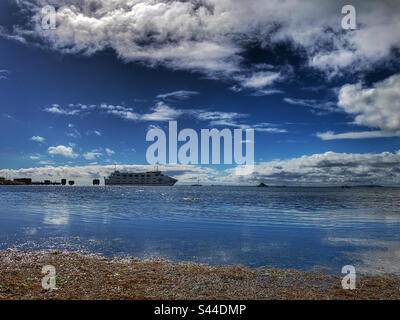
302 228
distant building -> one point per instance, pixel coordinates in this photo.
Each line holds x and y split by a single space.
63 182
2 179
71 182
96 182
47 182
23 180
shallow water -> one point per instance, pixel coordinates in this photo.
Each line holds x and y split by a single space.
301 228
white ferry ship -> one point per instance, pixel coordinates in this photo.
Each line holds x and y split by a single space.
150 178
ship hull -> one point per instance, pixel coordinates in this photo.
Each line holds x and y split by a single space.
140 184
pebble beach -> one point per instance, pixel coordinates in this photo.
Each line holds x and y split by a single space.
94 277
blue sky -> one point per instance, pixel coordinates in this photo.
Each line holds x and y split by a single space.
82 97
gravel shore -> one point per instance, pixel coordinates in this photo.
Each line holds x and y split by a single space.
95 277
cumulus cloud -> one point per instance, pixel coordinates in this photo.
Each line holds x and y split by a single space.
212 36
38 139
329 168
326 169
85 174
375 107
63 151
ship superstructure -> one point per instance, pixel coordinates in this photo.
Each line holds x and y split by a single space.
149 178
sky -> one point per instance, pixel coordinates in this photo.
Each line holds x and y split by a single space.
79 99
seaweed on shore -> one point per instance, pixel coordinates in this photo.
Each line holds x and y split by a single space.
95 277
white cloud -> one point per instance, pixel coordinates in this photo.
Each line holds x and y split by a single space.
4 74
153 126
73 133
177 95
122 112
92 155
8 116
94 132
211 35
217 115
70 110
85 174
259 80
45 162
38 139
56 109
162 112
261 127
333 62
266 92
328 168
315 105
110 152
329 135
62 150
375 107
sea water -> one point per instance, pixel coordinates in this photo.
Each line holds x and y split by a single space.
303 228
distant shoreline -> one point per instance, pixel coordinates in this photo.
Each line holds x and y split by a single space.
96 277
189 185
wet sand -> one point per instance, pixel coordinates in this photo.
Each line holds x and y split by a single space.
95 277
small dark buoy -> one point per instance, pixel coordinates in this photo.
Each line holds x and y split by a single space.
71 182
